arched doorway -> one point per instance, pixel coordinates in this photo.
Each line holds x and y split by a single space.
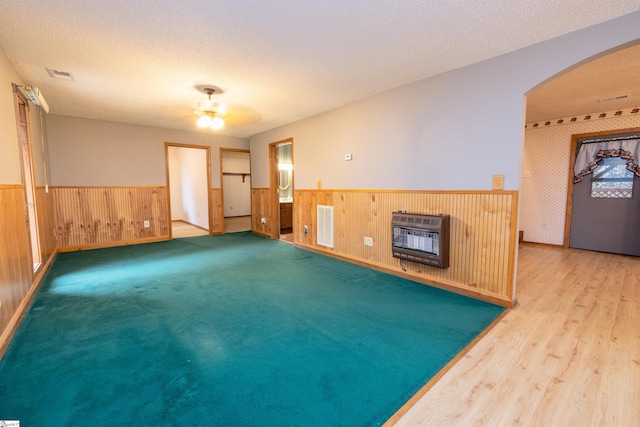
585 98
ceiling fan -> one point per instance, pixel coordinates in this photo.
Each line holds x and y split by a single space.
211 112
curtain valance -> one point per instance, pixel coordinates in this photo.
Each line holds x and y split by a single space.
590 155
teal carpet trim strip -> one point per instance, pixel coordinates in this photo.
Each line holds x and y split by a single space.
232 330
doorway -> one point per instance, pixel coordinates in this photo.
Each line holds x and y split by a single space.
555 113
189 184
281 165
604 204
235 179
24 139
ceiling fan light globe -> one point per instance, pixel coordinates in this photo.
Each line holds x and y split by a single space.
216 123
204 121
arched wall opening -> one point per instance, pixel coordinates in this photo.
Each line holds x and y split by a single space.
598 94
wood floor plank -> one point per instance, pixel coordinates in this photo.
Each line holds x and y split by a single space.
567 355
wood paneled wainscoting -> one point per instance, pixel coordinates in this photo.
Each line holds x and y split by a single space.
94 217
18 280
217 214
46 221
483 235
261 208
16 268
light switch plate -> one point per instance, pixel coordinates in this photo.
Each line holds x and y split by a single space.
498 182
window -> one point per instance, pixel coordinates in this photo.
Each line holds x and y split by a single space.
612 180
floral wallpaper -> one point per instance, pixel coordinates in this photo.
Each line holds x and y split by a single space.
545 169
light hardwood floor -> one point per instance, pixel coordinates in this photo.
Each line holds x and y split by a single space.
567 355
180 229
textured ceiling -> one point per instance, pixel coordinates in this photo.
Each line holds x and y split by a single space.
276 61
579 90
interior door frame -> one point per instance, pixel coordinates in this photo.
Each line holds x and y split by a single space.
237 150
166 157
28 177
572 162
273 184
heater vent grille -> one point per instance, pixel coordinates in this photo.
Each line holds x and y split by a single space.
325 226
421 238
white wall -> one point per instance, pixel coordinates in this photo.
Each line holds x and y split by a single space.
188 180
10 170
237 195
232 163
175 185
545 174
195 197
10 163
87 152
452 131
39 146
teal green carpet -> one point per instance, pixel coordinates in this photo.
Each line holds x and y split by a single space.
234 330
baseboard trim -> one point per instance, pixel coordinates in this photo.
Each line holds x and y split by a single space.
261 234
550 245
494 299
113 244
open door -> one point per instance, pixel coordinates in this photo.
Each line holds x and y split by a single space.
281 166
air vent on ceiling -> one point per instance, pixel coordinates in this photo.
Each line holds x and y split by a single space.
62 75
614 98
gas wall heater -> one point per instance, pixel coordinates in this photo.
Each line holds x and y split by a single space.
421 238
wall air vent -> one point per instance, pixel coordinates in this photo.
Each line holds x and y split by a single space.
614 98
325 226
61 75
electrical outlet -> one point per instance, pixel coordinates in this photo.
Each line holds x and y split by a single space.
263 220
306 229
368 241
348 157
146 224
498 182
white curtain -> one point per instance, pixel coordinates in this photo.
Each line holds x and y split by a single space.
590 155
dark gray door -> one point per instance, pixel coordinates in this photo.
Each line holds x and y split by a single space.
606 210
